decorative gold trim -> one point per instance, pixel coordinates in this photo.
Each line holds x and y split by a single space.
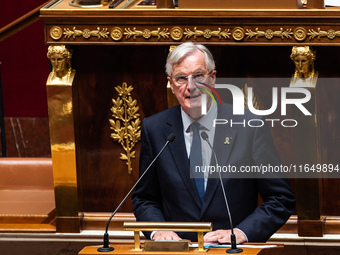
176 33
86 33
116 34
56 33
207 33
330 34
125 110
146 33
300 34
270 34
238 33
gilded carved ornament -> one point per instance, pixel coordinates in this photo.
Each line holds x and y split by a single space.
146 33
238 33
207 33
56 33
300 34
126 123
62 72
86 33
116 34
177 33
269 34
330 34
305 74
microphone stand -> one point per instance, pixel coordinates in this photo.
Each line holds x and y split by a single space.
233 248
106 246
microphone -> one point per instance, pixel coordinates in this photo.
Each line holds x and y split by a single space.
106 246
233 248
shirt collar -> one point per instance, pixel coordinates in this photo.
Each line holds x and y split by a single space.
206 120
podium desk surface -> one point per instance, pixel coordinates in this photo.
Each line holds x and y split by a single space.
65 24
126 249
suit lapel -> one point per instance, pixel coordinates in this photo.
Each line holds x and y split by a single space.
179 154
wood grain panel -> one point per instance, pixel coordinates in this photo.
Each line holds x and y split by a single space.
103 177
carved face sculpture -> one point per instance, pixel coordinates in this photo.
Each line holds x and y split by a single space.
302 64
303 58
60 57
58 62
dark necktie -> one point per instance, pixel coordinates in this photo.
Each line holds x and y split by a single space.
196 159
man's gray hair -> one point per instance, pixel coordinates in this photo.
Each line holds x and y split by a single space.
184 50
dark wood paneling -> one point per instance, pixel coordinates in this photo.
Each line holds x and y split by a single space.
103 177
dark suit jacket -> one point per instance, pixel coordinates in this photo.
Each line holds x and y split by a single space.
167 193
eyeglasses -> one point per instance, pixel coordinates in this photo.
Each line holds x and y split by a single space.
196 78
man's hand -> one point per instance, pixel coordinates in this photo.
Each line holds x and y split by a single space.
165 235
223 236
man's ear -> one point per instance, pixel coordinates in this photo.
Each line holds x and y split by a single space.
171 84
213 75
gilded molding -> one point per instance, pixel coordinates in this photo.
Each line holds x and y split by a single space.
116 34
330 34
56 33
146 33
177 33
300 34
127 125
86 33
238 33
207 33
269 34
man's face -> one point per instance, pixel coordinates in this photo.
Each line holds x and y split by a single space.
188 94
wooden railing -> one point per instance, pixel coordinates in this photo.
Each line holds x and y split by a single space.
20 23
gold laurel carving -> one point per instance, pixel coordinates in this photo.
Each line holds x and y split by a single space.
146 33
269 34
238 33
56 33
300 34
86 33
176 33
330 34
126 123
116 34
207 33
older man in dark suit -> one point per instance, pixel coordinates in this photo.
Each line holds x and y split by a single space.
169 192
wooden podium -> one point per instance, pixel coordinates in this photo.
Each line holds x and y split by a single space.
123 249
137 248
